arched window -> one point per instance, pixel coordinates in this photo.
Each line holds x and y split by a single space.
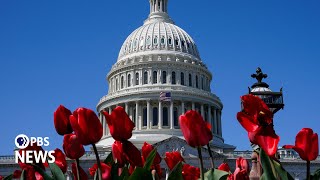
162 40
116 84
190 80
155 40
202 83
182 43
129 80
122 82
144 117
173 76
177 42
164 77
148 40
197 83
155 116
165 117
182 78
170 41
137 78
175 116
155 77
145 77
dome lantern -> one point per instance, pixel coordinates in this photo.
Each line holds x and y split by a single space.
158 12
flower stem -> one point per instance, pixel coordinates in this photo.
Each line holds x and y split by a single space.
98 161
201 163
211 156
78 167
308 170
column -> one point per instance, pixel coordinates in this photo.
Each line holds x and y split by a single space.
110 110
126 107
182 107
215 127
137 115
157 7
131 112
193 106
171 115
202 112
209 117
160 115
220 124
140 117
148 114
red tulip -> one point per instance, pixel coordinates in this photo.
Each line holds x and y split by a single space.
60 160
72 146
105 171
190 172
224 167
157 167
125 152
146 150
195 129
119 123
173 158
29 173
306 145
243 164
257 119
86 126
240 174
82 174
61 120
1 177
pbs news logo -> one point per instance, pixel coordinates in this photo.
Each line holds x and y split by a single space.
30 156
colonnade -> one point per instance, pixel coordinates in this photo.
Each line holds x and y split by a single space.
155 114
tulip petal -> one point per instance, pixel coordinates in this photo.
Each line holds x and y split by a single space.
247 122
266 138
314 150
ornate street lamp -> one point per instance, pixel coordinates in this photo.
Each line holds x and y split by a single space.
274 100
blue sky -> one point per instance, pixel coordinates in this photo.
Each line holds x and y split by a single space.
59 52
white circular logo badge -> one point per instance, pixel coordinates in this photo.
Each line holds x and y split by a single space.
21 141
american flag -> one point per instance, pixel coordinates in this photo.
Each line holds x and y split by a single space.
165 96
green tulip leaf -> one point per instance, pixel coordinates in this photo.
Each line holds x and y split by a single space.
22 177
176 173
56 171
282 173
268 170
95 176
150 158
316 175
8 177
114 171
42 172
140 173
109 159
216 174
125 173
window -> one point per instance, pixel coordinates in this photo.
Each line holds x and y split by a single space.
155 77
129 80
155 40
170 41
135 44
145 77
177 42
145 117
155 116
137 78
202 83
148 40
165 117
162 40
197 83
173 77
175 116
182 78
122 82
182 43
190 80
164 77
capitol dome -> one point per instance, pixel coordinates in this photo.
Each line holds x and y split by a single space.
158 76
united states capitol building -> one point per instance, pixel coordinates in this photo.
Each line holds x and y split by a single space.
159 75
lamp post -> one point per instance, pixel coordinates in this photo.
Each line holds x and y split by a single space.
274 100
